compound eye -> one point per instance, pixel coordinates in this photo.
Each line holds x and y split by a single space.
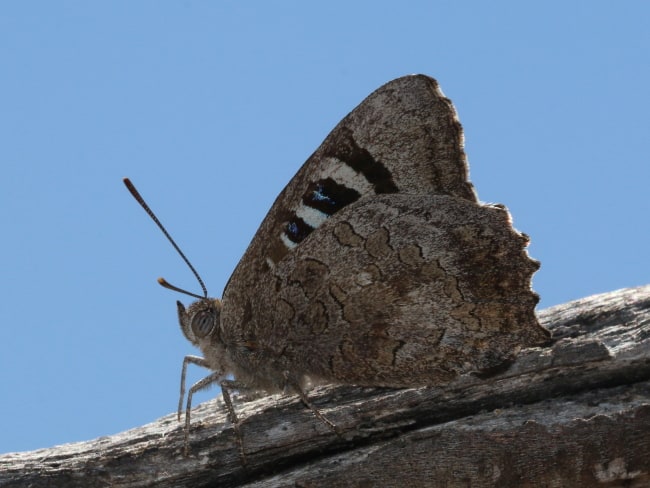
202 323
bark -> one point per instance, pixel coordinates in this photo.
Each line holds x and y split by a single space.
575 414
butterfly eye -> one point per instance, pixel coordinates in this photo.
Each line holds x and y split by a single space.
202 323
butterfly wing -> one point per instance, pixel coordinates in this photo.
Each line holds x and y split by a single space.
403 141
401 290
405 137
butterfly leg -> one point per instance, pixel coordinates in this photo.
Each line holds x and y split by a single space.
226 387
295 385
198 386
199 361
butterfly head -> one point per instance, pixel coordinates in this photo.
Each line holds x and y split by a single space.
200 320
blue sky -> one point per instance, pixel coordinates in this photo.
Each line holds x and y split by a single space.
211 107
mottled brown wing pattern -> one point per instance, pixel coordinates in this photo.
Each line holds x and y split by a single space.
399 290
376 264
405 137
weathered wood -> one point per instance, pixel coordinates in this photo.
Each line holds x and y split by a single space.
576 413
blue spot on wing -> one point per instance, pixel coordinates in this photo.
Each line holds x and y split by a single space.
328 196
320 195
297 229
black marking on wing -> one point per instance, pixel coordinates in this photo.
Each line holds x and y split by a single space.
345 148
297 229
328 196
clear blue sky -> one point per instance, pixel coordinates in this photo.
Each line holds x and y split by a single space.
211 107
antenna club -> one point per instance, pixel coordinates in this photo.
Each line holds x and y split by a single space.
130 186
165 284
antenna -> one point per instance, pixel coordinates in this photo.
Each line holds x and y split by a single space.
162 281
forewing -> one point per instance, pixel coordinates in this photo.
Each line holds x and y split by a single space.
404 138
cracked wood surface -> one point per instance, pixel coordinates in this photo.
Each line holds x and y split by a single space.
576 413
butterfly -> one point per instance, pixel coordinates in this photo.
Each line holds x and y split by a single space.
375 266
